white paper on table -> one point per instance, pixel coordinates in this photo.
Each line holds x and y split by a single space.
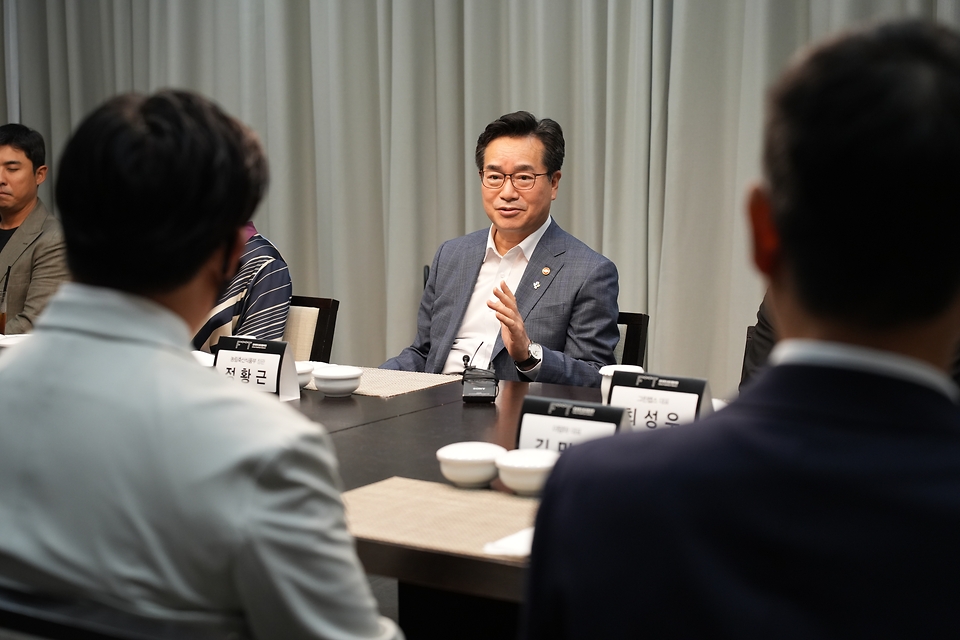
516 544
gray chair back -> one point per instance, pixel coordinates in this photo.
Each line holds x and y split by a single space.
310 326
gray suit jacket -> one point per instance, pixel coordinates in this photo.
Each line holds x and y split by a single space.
572 314
37 256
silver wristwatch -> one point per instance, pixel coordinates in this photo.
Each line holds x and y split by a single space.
535 353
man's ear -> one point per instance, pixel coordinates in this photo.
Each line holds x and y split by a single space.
766 238
40 174
554 184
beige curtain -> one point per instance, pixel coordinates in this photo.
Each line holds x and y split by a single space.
370 111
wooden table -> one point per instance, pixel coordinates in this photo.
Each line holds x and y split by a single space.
337 414
378 438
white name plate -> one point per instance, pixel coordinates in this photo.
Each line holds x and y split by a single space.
659 402
266 365
557 425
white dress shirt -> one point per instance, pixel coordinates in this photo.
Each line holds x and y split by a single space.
480 328
847 356
132 476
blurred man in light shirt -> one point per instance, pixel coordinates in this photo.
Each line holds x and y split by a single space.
129 474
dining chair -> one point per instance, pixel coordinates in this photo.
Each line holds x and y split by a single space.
744 373
632 348
32 616
310 326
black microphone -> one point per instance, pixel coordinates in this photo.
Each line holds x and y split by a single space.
479 385
474 356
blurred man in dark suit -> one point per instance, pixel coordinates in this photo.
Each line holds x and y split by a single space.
825 501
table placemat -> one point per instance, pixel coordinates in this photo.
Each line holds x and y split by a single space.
435 516
387 383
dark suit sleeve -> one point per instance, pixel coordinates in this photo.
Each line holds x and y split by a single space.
592 333
414 357
544 608
759 346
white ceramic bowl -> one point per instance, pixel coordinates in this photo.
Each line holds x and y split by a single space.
526 470
336 381
304 372
606 377
469 464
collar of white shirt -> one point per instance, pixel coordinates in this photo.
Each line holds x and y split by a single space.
114 315
528 245
847 356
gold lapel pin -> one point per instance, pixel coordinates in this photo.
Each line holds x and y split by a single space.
545 271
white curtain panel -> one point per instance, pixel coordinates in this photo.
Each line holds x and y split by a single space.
370 111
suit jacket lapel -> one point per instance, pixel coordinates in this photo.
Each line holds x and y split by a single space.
548 256
23 237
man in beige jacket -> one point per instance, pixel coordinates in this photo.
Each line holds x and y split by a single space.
32 253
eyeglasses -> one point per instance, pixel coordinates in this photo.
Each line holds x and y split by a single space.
522 181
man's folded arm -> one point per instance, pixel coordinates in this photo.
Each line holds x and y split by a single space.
298 574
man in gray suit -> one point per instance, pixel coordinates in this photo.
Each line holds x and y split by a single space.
31 240
524 297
